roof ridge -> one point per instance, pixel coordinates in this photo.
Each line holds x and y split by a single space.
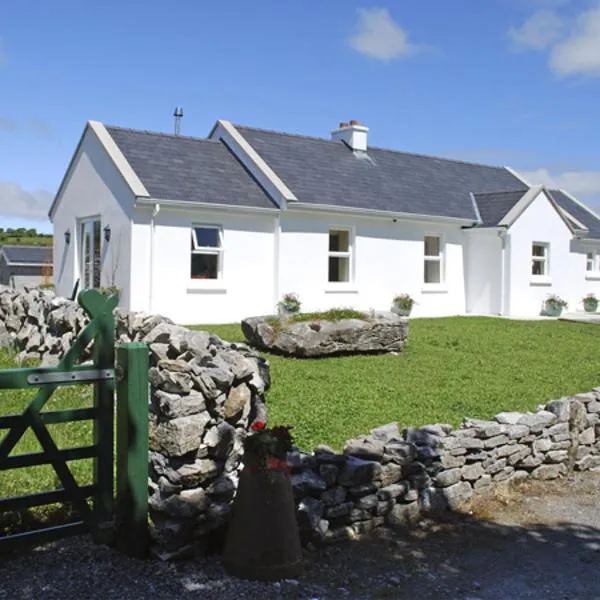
160 133
500 193
24 246
403 152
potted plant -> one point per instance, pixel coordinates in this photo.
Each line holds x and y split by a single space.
590 303
402 304
554 305
289 305
263 539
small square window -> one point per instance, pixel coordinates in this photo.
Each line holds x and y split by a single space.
207 253
539 260
340 256
433 259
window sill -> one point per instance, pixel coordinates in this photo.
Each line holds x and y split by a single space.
209 286
592 276
343 288
434 288
540 280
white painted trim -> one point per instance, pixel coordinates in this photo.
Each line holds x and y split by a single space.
567 214
519 208
579 203
472 196
276 258
18 264
526 199
518 176
242 146
125 169
301 207
482 230
194 206
155 212
502 236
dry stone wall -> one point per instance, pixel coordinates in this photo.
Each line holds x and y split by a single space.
205 393
393 478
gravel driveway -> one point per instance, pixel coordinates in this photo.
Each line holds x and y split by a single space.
544 542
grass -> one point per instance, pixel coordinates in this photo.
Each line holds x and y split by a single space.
450 368
15 482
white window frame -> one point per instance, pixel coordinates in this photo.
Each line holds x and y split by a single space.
593 262
441 258
210 250
349 254
544 260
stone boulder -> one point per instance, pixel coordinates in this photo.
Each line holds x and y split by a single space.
383 332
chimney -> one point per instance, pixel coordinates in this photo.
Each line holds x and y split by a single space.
178 114
353 134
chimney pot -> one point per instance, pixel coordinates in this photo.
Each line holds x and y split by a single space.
353 134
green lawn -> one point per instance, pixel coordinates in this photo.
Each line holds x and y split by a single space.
451 368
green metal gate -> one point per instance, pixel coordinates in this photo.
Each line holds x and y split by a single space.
124 521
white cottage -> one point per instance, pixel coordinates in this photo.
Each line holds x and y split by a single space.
213 230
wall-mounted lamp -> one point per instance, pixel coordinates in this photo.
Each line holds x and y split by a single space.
107 233
68 237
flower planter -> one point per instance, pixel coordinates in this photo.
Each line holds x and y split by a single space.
590 306
263 540
285 312
553 310
402 312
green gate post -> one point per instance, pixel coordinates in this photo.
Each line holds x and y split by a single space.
132 535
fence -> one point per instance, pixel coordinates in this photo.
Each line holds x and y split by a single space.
124 521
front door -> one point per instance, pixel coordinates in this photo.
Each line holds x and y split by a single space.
90 261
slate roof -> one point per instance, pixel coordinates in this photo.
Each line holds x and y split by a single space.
34 255
188 169
583 215
493 207
321 171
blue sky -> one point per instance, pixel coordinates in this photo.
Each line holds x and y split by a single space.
513 82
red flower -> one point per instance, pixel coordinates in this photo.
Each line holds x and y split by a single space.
258 425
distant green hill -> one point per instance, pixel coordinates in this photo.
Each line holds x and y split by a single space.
24 237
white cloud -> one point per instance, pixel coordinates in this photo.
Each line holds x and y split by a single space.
18 202
379 36
578 183
579 53
538 32
573 44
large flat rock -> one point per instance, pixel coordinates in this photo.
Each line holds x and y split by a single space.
384 332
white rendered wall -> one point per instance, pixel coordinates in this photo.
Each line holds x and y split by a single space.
248 267
387 260
567 275
484 272
94 188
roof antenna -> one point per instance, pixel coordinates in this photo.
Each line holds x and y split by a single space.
178 114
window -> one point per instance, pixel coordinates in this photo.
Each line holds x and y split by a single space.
90 253
340 255
592 264
433 272
207 253
539 260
